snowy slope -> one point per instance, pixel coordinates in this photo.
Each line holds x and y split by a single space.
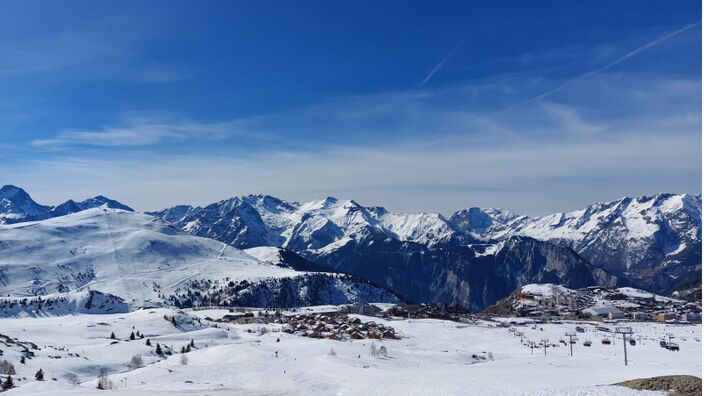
127 254
115 251
84 301
557 297
433 357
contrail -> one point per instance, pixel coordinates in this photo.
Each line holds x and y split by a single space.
606 67
442 62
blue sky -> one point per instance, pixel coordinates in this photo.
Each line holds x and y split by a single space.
417 106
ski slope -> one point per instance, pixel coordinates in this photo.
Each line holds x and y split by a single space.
433 357
131 255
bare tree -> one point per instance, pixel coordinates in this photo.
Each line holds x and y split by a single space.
136 362
7 368
383 352
104 382
73 379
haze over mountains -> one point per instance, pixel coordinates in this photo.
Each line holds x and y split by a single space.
474 257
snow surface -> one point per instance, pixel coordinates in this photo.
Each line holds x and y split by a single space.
546 289
432 358
130 255
267 254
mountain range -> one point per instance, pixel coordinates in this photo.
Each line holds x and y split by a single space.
474 257
17 206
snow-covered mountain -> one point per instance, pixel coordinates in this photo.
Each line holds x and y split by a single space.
261 220
650 241
130 255
17 206
475 257
653 239
72 206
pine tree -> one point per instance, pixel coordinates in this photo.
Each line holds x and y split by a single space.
158 349
148 343
173 320
22 360
9 383
112 336
193 344
188 348
183 349
39 376
132 336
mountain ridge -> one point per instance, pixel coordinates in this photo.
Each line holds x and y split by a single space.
16 206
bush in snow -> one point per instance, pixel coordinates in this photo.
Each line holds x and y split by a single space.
158 349
7 368
136 362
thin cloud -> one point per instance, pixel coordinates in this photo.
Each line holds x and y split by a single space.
139 131
442 62
534 162
606 67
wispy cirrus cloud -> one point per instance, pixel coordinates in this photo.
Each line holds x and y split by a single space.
430 150
608 66
136 131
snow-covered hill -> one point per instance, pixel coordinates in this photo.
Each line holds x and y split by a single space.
131 255
551 300
84 301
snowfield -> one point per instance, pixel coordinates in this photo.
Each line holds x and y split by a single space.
146 261
433 357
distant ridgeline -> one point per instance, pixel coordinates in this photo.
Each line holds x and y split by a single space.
476 257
